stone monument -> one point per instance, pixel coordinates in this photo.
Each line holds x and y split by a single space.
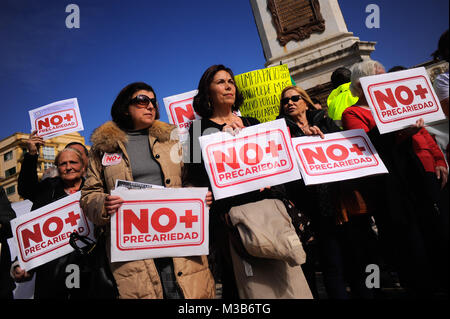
311 38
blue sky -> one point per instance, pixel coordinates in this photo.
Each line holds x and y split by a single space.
167 44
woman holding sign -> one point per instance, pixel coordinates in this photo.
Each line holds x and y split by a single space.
136 146
217 101
410 223
336 210
50 277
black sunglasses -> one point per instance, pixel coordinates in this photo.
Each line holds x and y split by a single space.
294 98
143 101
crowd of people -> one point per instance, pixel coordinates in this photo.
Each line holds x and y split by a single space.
397 220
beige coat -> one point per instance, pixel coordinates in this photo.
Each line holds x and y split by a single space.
140 279
266 232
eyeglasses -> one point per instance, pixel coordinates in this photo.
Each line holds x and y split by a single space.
294 98
142 101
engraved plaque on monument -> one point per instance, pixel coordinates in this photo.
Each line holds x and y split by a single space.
295 19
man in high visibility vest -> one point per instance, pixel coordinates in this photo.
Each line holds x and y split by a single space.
341 97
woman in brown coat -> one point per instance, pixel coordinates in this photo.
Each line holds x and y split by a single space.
149 153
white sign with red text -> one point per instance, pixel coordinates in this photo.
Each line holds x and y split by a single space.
43 234
400 98
259 156
56 119
340 156
155 223
180 110
110 159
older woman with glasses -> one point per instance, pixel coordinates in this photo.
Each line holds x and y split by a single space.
334 209
145 145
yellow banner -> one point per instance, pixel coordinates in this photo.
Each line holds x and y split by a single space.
261 90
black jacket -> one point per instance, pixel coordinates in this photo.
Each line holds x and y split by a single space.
6 214
315 200
40 193
50 277
317 118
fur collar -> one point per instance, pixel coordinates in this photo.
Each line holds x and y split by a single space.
106 138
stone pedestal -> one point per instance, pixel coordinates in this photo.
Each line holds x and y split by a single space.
311 61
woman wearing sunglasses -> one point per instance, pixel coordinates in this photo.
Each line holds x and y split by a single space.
329 206
144 146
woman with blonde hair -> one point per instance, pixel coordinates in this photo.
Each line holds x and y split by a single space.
334 209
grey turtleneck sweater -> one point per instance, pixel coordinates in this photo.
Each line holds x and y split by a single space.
144 167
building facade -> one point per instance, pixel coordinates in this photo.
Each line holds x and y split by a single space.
14 147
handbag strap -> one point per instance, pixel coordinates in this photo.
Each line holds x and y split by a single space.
90 244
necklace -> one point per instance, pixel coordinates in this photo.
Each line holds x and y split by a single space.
303 127
223 120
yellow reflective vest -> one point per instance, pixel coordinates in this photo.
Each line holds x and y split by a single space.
340 99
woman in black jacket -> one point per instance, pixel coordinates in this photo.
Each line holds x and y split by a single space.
342 241
50 277
217 101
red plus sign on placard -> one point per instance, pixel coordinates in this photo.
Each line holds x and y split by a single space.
72 219
68 117
420 91
357 149
188 219
273 148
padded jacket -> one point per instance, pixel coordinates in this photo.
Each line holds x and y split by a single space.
140 278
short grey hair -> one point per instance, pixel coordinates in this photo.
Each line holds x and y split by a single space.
362 69
69 149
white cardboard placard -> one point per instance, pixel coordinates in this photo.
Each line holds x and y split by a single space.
340 156
400 98
56 119
155 223
43 234
259 156
180 110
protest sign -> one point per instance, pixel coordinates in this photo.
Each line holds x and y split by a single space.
43 234
340 156
180 111
259 156
400 98
56 119
154 223
261 90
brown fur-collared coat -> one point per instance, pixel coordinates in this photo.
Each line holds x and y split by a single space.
140 279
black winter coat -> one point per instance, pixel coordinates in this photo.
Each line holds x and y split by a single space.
51 277
318 199
6 214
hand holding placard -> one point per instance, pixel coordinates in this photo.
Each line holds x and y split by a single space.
257 157
340 156
154 223
398 99
34 142
56 119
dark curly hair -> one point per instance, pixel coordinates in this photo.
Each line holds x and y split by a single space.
202 103
119 109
